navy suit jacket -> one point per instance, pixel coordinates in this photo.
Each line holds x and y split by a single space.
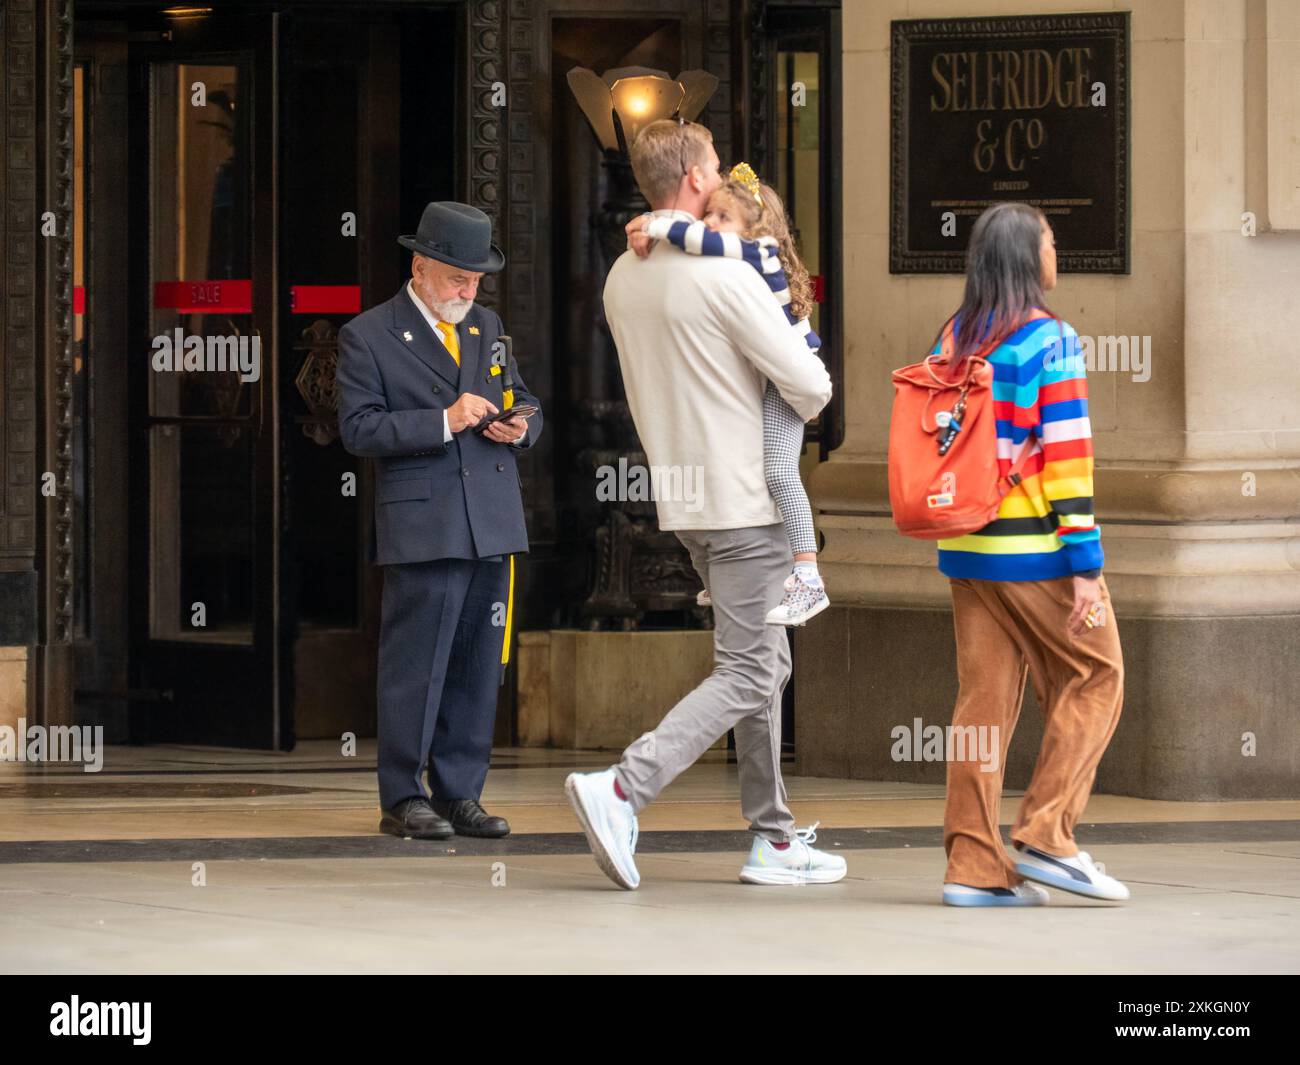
432 500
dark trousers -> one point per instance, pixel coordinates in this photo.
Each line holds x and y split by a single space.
439 672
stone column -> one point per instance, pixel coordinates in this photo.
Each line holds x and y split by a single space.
1198 454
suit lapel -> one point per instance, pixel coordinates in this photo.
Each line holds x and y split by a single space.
471 348
414 334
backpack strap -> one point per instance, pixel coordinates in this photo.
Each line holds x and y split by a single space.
973 362
946 347
1016 474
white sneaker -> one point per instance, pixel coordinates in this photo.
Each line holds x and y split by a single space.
1080 874
799 863
609 823
702 598
800 602
1021 895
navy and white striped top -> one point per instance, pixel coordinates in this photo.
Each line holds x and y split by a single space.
761 254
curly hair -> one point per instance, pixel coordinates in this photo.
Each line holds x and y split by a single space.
769 219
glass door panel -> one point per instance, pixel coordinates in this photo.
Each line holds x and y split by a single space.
206 358
201 543
798 155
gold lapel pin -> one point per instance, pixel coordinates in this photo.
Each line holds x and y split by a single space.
474 329
406 335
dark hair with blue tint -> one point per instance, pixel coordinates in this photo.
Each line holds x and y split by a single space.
1004 278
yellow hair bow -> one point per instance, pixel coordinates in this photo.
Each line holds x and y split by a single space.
744 174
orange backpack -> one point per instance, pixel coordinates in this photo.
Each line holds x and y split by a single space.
943 481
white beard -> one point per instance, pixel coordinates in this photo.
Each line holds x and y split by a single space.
453 311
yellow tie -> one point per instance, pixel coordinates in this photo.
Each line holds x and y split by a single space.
448 333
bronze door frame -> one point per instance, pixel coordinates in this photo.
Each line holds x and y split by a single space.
101 648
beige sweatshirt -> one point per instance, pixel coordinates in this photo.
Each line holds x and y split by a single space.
698 336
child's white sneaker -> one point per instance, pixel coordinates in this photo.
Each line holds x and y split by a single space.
1079 874
609 823
800 602
798 863
1025 894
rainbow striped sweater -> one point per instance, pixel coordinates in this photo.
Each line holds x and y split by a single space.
1044 528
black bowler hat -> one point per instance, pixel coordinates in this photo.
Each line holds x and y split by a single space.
456 234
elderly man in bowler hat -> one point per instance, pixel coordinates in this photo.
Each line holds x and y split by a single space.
422 385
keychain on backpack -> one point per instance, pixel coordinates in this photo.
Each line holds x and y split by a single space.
950 423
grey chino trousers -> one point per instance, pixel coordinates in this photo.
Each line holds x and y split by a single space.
743 570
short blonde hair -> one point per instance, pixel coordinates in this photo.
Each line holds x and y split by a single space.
664 152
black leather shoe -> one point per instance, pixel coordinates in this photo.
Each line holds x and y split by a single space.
468 818
414 819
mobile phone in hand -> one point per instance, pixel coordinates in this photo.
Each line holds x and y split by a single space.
523 410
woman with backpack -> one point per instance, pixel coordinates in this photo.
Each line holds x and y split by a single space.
1027 591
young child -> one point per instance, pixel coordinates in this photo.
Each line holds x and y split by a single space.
746 220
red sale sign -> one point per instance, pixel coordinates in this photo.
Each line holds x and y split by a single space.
204 297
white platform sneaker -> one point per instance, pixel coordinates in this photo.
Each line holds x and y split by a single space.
1021 895
799 863
1079 874
609 823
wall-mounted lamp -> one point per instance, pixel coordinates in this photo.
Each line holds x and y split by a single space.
625 100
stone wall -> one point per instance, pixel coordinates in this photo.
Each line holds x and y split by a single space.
1198 467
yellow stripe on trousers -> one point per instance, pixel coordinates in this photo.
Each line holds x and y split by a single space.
510 612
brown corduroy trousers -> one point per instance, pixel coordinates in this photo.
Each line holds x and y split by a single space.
1006 629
